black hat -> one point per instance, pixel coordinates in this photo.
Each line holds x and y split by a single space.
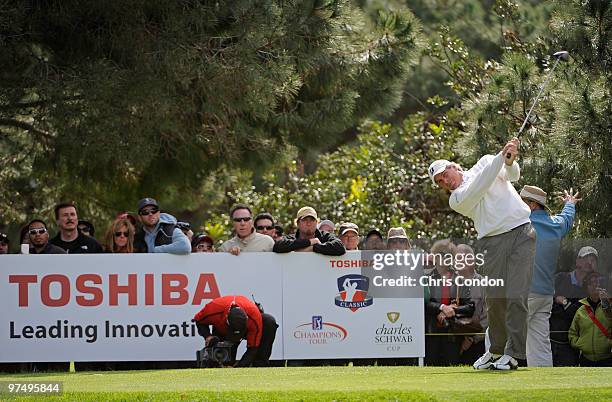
197 239
145 202
89 226
4 238
376 232
236 324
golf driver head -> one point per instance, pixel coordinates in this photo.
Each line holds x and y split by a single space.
562 55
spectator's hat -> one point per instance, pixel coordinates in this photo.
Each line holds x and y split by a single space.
4 238
437 167
397 233
145 202
374 232
348 227
326 222
587 250
88 225
534 193
236 324
199 238
306 211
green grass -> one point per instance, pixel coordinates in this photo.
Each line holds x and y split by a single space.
334 383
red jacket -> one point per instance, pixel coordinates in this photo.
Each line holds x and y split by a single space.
215 314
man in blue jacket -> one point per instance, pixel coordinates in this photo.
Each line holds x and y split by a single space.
550 229
159 232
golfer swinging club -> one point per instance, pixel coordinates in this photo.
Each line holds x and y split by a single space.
485 194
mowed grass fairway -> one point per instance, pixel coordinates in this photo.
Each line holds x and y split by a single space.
333 383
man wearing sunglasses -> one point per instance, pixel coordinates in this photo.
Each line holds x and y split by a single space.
246 239
159 232
264 224
69 237
39 239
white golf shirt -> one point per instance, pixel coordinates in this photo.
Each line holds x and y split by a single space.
487 196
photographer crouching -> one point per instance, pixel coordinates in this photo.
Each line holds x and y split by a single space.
234 318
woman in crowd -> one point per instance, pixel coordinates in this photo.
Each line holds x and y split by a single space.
119 237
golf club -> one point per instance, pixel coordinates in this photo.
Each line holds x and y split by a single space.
561 55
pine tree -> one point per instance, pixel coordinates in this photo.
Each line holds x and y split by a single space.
103 101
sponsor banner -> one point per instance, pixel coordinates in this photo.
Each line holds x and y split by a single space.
123 307
330 313
109 307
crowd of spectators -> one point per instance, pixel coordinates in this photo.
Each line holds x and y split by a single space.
456 317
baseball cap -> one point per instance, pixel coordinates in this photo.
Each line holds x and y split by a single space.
587 250
326 222
236 323
306 211
4 238
397 233
197 239
374 231
534 193
437 167
146 202
348 227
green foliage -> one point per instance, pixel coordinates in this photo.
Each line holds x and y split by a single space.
583 110
102 102
379 181
568 142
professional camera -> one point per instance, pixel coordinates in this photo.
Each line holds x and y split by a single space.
217 355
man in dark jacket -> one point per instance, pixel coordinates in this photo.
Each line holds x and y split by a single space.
309 238
39 239
234 318
69 237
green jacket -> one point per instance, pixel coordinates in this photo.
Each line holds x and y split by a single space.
587 337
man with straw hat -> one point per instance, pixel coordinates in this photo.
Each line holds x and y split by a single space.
550 229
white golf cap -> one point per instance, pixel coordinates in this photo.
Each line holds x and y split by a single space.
437 167
587 250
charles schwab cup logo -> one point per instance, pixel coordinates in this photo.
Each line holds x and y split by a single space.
393 336
319 332
353 292
393 316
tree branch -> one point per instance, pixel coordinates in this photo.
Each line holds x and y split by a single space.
25 126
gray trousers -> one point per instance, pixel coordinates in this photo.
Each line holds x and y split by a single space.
508 256
539 353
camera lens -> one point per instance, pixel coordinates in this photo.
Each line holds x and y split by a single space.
221 355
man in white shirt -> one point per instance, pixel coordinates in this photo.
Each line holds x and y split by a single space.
485 194
246 239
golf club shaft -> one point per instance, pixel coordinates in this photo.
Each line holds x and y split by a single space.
508 155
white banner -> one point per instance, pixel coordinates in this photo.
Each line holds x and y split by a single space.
319 323
135 307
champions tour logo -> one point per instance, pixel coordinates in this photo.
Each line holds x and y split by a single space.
353 292
319 332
